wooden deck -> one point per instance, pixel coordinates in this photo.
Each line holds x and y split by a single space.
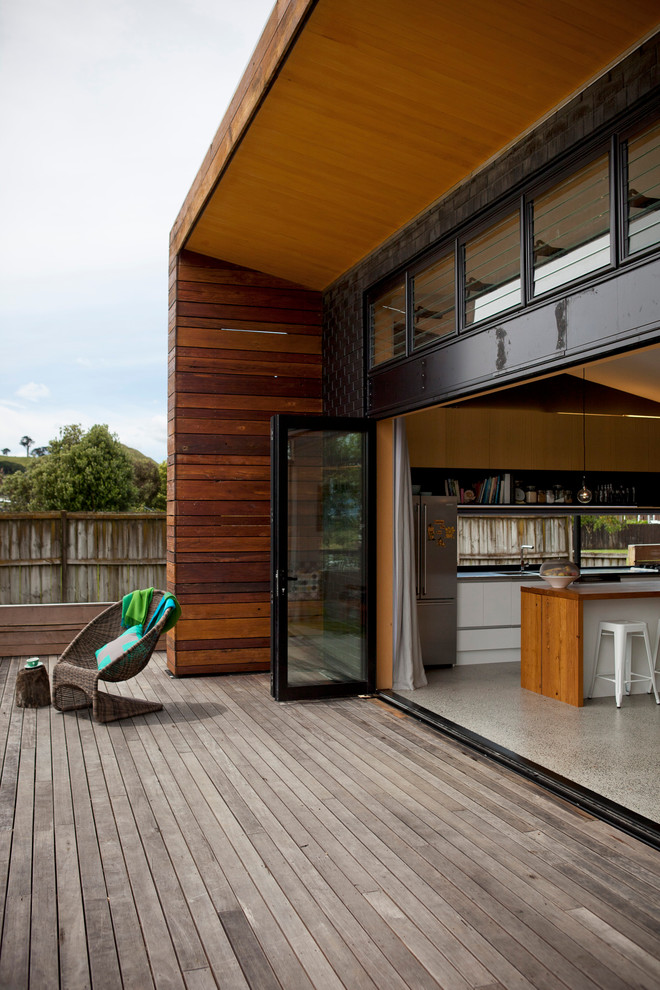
232 842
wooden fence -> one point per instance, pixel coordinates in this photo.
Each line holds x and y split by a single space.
496 540
51 557
620 538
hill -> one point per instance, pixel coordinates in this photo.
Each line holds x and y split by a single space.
137 455
9 464
22 462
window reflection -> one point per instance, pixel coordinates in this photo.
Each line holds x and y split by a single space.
327 557
387 315
643 193
433 302
492 271
571 227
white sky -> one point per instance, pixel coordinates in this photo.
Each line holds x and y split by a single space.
106 112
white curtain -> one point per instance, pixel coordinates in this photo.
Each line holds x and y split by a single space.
408 672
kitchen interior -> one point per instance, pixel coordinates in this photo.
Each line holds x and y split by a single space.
503 483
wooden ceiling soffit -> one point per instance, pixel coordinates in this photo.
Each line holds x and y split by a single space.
280 31
373 110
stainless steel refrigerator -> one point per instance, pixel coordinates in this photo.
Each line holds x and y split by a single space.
436 558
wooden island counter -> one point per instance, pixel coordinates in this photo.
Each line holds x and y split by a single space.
559 627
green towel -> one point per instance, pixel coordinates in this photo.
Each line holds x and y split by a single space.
175 616
167 603
134 607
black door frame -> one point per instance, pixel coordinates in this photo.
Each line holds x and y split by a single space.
280 426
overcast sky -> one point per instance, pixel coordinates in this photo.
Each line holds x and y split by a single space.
106 112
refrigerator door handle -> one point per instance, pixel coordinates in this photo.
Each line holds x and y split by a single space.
417 548
423 550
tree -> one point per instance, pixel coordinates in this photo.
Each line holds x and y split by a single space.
17 488
147 481
83 472
27 443
6 450
160 501
39 451
12 467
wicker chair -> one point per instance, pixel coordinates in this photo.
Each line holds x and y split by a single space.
76 675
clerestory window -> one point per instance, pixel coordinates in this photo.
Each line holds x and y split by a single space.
559 233
491 269
387 324
432 300
571 227
642 154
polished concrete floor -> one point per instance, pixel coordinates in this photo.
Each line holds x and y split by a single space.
612 751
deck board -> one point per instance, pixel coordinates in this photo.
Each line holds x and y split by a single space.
230 841
44 954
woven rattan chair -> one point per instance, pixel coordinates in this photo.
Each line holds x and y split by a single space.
76 675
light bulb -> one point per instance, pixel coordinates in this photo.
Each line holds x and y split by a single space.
584 495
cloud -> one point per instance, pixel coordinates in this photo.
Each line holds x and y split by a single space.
99 85
33 392
17 421
148 434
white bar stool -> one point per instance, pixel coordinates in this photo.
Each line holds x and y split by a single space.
623 631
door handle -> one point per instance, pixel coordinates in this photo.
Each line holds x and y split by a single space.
289 577
423 548
418 549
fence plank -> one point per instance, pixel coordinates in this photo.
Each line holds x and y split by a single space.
50 557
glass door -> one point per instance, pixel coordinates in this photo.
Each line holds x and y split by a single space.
322 544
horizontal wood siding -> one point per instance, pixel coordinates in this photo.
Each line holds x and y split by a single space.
243 346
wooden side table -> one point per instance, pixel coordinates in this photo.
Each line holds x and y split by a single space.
33 685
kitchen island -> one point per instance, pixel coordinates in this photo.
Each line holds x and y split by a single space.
559 628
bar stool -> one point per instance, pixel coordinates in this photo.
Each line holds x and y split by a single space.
656 646
623 631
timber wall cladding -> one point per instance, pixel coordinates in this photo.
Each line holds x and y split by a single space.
243 346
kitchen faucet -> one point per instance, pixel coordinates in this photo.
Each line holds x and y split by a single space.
525 546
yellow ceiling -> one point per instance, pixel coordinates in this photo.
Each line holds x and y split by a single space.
380 107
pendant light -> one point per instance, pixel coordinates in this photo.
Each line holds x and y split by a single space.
584 495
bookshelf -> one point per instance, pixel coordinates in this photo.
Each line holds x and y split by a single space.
478 488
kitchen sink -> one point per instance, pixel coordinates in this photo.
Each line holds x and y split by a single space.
528 574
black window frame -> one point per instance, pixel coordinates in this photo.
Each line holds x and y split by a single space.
635 129
572 168
445 250
614 145
506 209
387 285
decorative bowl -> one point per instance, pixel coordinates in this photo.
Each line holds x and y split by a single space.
559 582
559 573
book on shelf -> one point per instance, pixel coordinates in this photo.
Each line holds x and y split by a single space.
494 489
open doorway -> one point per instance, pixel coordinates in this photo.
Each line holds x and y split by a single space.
602 420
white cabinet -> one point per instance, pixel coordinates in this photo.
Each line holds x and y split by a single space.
470 604
488 621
